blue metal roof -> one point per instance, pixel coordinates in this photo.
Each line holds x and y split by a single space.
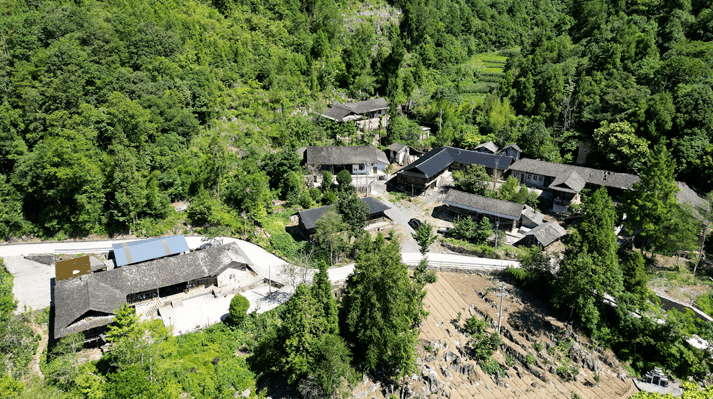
127 253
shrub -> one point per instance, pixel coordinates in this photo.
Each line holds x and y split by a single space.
705 303
530 358
305 200
239 306
327 177
490 366
344 178
315 194
475 326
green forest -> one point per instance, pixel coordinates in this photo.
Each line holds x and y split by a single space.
112 110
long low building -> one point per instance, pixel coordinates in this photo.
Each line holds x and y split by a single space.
424 173
358 160
308 218
567 181
87 303
508 213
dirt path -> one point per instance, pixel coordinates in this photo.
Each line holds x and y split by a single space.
35 363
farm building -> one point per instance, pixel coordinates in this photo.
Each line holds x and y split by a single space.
397 153
357 110
88 303
358 160
308 218
507 213
424 173
545 234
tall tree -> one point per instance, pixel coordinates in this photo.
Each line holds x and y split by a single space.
323 295
424 236
590 269
128 187
301 328
381 310
650 205
330 232
353 211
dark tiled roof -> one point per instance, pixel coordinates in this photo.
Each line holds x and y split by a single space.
598 177
513 146
396 147
570 182
480 204
533 215
688 196
344 155
440 158
309 217
547 233
339 111
106 291
490 146
336 113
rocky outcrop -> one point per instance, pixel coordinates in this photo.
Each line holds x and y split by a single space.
584 358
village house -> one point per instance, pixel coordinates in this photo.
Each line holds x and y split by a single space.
505 213
566 182
308 218
545 234
512 150
358 160
397 153
87 303
425 172
367 115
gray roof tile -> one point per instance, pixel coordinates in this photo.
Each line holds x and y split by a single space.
106 291
309 217
547 233
510 210
344 155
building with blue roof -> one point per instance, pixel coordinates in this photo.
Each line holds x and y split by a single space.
127 253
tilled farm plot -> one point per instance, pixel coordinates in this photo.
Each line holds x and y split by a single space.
536 350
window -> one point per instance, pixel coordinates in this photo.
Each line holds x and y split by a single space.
361 166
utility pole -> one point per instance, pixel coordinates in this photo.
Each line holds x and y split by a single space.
500 311
497 216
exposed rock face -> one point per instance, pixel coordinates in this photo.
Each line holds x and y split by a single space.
581 356
446 373
430 378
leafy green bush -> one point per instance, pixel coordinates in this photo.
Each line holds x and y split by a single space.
344 178
474 326
704 302
238 310
490 366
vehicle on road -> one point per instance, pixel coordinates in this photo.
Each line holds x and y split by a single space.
445 230
415 223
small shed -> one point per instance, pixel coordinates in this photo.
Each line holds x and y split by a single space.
511 150
71 268
488 148
531 218
397 153
308 218
545 234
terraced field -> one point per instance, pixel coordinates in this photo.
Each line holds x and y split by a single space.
446 369
489 67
